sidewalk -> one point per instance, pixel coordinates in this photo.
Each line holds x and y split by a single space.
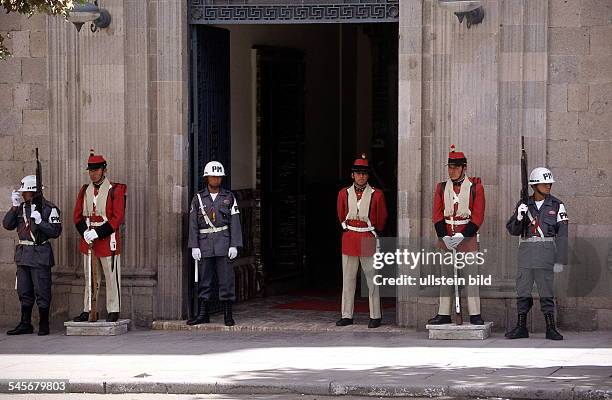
317 363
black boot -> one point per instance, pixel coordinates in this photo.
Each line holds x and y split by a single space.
344 322
374 322
227 313
520 331
43 323
112 317
476 319
551 329
202 317
25 325
82 317
439 320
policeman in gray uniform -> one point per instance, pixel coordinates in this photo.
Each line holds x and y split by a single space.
33 254
543 250
214 237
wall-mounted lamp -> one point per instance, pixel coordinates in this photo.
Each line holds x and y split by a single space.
470 10
82 13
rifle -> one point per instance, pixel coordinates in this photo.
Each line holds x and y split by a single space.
93 282
524 183
38 200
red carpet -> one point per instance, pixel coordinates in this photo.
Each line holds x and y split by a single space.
361 306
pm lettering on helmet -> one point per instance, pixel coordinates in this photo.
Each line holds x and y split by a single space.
547 175
217 168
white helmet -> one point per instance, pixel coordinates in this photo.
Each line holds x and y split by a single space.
541 175
28 184
214 168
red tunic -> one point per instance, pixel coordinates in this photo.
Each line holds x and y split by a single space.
477 208
357 243
115 214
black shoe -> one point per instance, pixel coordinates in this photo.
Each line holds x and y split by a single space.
476 320
112 317
344 322
228 319
25 325
43 326
374 323
520 331
83 317
202 317
440 320
551 329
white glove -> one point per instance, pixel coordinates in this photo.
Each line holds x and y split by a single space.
35 215
521 211
16 198
456 239
90 235
447 241
558 268
232 253
196 254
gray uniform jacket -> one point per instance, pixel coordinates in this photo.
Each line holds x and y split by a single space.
553 223
41 255
222 212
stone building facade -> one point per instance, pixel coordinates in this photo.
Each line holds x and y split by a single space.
538 68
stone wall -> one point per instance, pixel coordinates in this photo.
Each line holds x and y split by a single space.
541 69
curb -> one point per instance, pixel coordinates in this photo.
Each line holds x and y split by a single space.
330 388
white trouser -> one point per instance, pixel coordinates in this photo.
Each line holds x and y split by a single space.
350 267
112 278
447 292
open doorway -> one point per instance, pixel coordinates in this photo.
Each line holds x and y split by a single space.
304 101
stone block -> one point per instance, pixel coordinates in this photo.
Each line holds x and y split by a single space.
19 43
38 43
10 122
567 153
577 97
568 41
6 148
577 319
563 69
99 328
459 332
564 12
595 69
37 22
557 97
595 12
10 70
594 126
604 319
600 154
601 40
6 96
562 125
25 147
600 98
34 70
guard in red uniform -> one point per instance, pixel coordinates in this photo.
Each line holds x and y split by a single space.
458 213
99 212
362 213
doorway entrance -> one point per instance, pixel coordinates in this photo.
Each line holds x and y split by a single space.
302 101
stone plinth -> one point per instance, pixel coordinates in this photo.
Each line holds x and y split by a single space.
98 328
459 332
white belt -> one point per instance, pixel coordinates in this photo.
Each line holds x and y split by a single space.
360 229
29 242
97 223
457 222
213 230
537 239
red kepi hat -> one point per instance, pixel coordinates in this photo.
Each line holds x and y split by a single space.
95 161
361 164
456 157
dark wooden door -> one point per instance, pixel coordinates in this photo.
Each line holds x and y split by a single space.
280 130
